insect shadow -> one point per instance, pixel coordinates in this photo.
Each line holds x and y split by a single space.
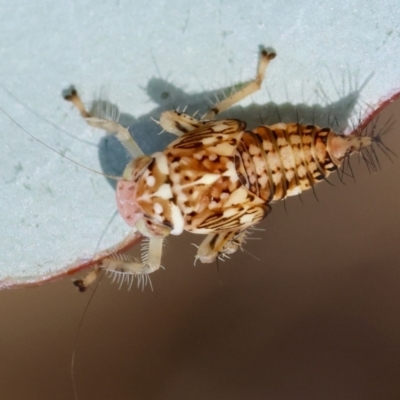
114 158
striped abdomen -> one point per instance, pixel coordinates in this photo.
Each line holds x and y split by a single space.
283 160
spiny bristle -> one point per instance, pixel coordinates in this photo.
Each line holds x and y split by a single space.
364 141
104 109
145 250
117 267
377 136
123 257
369 154
121 277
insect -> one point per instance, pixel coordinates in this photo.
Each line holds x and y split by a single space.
217 178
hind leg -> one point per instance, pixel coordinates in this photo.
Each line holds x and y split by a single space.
247 90
179 123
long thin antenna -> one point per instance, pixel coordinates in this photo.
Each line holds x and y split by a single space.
77 337
56 151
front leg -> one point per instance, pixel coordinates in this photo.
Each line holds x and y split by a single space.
124 263
108 125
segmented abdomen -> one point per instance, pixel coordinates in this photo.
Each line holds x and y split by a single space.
283 160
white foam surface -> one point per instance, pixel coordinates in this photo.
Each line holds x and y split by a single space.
342 56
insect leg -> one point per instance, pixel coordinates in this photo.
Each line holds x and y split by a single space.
249 89
83 284
121 133
75 99
110 126
151 260
126 263
178 123
227 241
217 245
236 243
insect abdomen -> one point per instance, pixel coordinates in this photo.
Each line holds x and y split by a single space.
283 160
